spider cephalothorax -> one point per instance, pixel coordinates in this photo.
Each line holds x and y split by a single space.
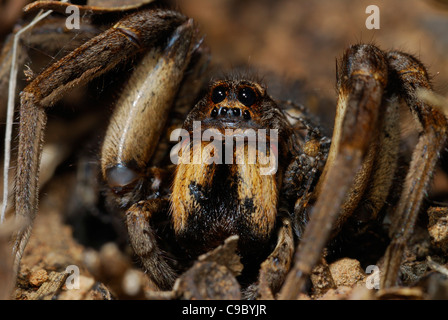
232 193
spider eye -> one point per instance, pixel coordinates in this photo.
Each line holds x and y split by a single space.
214 112
219 94
247 96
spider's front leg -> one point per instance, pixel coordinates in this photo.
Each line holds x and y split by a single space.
274 269
143 31
410 75
363 155
362 79
144 241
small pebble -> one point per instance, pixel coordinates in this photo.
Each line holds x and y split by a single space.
38 277
346 272
438 227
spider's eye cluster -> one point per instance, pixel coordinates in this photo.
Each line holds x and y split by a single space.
219 94
247 96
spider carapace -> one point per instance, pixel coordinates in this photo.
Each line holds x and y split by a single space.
232 195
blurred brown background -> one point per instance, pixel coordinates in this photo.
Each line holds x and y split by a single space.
302 38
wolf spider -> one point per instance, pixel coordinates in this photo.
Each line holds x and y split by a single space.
283 220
